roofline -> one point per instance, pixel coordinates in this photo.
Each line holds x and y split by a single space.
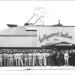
20 47
18 35
73 46
53 26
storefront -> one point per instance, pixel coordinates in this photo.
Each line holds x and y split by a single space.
37 46
62 42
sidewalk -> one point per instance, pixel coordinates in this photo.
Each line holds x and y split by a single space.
36 68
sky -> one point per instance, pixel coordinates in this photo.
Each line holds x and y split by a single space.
19 12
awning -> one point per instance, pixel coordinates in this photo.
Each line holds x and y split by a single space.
60 45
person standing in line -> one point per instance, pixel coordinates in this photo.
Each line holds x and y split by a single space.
70 55
4 59
1 59
30 58
16 58
51 62
11 59
73 59
37 58
7 55
25 59
44 59
45 55
20 59
61 58
40 57
34 58
8 61
58 58
54 58
66 58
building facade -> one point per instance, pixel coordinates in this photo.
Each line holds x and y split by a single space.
37 46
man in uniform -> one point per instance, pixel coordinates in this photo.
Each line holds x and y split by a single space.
20 62
30 58
4 59
16 59
34 58
66 58
54 58
58 58
45 55
8 59
0 58
11 59
40 57
25 59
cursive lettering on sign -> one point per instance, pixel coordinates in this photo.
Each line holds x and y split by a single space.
58 34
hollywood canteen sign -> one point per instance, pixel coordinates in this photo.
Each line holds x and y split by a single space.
59 34
50 35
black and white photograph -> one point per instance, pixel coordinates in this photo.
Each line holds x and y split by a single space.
37 35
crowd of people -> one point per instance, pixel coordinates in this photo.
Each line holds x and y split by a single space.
52 58
23 59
